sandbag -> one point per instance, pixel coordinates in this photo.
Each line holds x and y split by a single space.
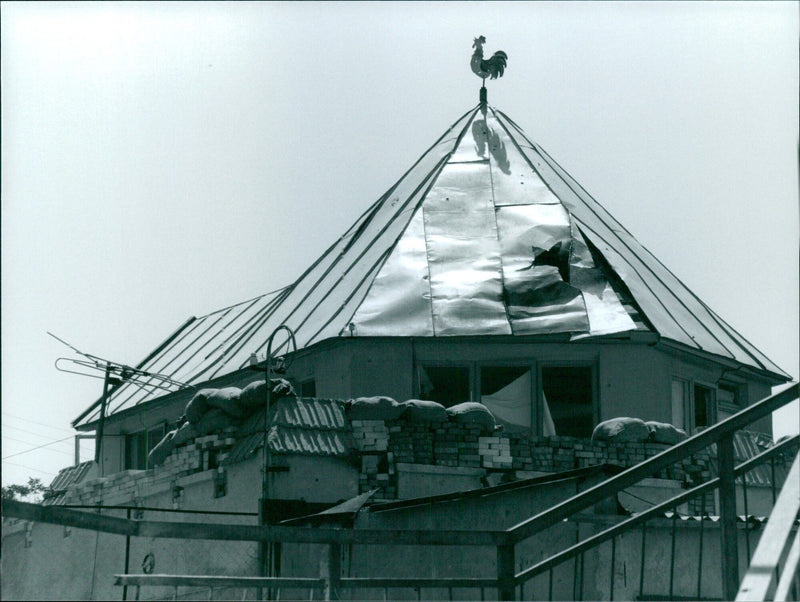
162 449
424 410
185 433
197 406
619 430
214 420
373 408
661 432
471 412
253 395
227 400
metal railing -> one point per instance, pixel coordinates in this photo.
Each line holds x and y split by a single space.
764 580
720 434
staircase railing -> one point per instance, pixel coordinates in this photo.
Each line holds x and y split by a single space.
764 580
720 434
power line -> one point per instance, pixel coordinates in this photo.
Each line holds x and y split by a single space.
59 451
52 474
58 428
19 428
38 447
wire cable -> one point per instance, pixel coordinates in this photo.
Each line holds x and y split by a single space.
37 447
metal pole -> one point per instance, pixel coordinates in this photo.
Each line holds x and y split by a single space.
127 557
99 442
727 510
505 572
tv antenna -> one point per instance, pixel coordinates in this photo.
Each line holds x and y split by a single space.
114 375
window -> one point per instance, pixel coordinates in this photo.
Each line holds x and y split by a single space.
136 451
704 408
506 391
568 398
138 446
308 388
449 385
679 403
730 394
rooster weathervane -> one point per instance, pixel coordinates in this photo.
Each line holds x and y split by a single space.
483 68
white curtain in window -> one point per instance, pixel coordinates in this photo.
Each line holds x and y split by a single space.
548 426
512 403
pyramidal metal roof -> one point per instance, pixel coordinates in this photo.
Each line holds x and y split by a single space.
484 235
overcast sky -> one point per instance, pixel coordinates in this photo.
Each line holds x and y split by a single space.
165 160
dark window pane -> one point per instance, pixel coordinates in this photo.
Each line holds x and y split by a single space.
494 378
568 393
702 405
136 451
308 388
448 385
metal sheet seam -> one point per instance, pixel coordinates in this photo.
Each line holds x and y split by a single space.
160 368
497 232
542 152
595 235
375 265
569 181
151 367
723 322
249 328
431 178
369 246
203 345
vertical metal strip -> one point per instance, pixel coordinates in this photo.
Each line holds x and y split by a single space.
642 560
672 553
700 551
613 560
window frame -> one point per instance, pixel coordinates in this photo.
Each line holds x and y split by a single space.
534 364
539 388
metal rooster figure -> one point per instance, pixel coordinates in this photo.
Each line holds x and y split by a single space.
492 68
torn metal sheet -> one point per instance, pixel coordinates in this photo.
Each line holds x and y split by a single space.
603 306
536 242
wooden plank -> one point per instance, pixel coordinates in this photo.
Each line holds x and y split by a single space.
631 476
215 581
759 581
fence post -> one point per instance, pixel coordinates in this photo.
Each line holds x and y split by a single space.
727 510
505 572
331 571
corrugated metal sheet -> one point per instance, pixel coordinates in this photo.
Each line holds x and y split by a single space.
441 253
66 477
298 425
748 444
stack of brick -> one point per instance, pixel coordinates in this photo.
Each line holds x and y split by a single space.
203 453
370 435
495 452
378 472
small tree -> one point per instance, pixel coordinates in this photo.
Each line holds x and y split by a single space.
34 488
